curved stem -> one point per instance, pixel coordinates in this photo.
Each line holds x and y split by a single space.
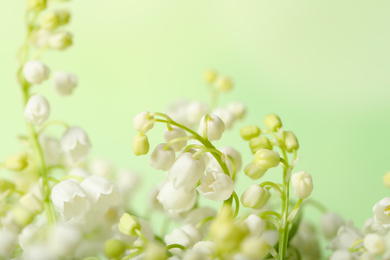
237 200
274 186
139 233
175 246
52 122
270 212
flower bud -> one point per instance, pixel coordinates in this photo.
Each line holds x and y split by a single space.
50 21
140 144
143 122
6 185
255 197
290 141
64 82
253 171
21 216
128 224
226 116
76 144
238 109
249 132
174 133
255 247
176 200
303 184
186 171
272 122
31 203
161 158
234 154
35 71
223 84
266 159
330 224
213 128
60 40
36 5
256 225
386 179
260 142
187 236
155 252
114 248
17 162
37 110
215 185
210 76
375 244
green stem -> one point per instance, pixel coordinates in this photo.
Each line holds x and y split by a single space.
237 200
270 212
52 122
273 185
139 233
175 246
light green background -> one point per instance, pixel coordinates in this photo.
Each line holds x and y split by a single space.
323 66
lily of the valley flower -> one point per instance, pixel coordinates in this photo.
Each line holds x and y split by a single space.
187 236
64 82
330 224
238 109
272 122
174 133
35 71
143 122
75 143
256 225
375 244
382 212
234 154
266 159
60 40
302 183
176 200
161 158
215 185
255 197
214 127
37 110
70 199
226 116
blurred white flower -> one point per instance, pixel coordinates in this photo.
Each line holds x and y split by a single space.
382 212
176 200
37 110
80 172
342 254
186 235
161 158
8 241
35 71
375 244
226 116
70 199
330 224
215 185
41 38
75 143
64 82
64 239
101 167
60 40
256 225
227 150
143 122
238 109
213 128
195 111
51 149
174 133
346 236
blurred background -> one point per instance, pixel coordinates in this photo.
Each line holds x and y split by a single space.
322 66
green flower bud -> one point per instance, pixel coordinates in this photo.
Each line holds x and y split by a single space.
63 16
255 197
36 5
155 252
258 143
228 235
210 76
31 203
255 247
21 216
17 162
272 122
6 185
114 248
266 159
290 141
254 172
128 225
140 144
60 40
224 84
249 132
52 20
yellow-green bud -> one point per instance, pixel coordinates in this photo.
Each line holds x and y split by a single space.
155 252
260 142
224 84
272 122
128 224
253 171
36 5
255 248
17 162
228 235
50 21
255 197
60 40
386 179
64 16
290 141
31 203
140 144
210 76
114 248
249 132
21 216
6 185
266 159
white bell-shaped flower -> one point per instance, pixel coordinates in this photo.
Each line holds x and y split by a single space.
375 244
143 122
195 111
226 116
255 197
213 128
186 236
303 184
382 212
346 236
330 224
342 255
215 185
101 192
64 240
70 199
64 82
205 249
51 149
186 171
35 71
238 109
37 110
174 133
161 158
101 167
8 241
236 156
372 226
176 200
75 143
255 224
